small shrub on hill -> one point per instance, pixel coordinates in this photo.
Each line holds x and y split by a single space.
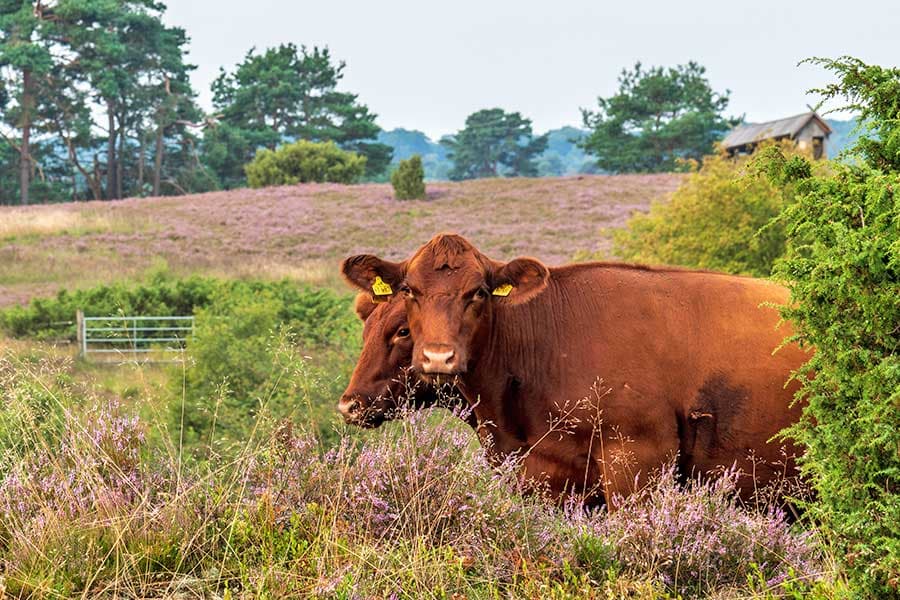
717 219
304 162
843 271
409 179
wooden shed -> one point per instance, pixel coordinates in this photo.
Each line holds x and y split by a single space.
808 130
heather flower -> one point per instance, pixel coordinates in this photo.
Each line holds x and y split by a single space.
698 538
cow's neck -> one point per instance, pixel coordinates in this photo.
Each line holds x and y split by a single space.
511 384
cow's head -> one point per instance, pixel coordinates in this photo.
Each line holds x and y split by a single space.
382 375
451 291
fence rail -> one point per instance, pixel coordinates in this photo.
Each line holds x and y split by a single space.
133 338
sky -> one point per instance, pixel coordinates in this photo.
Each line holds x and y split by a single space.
427 65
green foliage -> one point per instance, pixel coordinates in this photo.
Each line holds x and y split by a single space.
843 270
77 67
494 143
25 62
288 93
717 219
261 353
322 314
162 295
304 162
874 93
657 117
409 179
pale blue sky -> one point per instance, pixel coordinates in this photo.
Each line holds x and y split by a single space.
427 65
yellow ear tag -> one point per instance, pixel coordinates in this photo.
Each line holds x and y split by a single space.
503 290
381 287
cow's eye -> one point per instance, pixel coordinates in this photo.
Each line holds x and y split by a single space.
481 294
402 333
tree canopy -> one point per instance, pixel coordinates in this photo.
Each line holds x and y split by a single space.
97 103
288 93
98 99
658 116
494 143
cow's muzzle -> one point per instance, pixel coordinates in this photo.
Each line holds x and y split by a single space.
356 411
439 359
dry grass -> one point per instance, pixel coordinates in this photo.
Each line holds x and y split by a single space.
303 231
59 220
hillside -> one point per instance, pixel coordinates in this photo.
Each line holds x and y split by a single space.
304 231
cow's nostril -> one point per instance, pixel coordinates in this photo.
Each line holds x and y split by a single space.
353 406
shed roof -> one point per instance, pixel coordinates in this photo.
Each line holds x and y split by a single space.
751 133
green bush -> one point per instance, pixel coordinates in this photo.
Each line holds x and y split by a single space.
409 179
262 353
843 271
717 219
262 350
304 162
320 316
161 295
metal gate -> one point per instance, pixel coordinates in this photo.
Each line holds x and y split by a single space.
131 338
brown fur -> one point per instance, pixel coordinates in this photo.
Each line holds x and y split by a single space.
685 360
382 378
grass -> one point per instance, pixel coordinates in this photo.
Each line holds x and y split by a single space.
305 231
97 499
34 222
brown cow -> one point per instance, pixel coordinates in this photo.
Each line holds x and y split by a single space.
382 379
685 359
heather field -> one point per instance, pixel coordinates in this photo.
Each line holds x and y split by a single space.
302 232
231 475
94 502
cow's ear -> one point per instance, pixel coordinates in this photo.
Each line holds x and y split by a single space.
519 281
364 306
368 273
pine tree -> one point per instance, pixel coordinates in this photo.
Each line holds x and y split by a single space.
287 93
25 61
657 117
494 143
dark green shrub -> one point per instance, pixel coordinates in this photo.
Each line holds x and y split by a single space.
161 295
319 316
304 162
409 179
844 274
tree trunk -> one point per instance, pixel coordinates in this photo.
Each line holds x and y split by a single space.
98 190
25 149
119 162
141 161
111 168
158 162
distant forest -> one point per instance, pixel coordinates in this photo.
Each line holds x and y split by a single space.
562 157
97 102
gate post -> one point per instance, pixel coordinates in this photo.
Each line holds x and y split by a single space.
79 336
